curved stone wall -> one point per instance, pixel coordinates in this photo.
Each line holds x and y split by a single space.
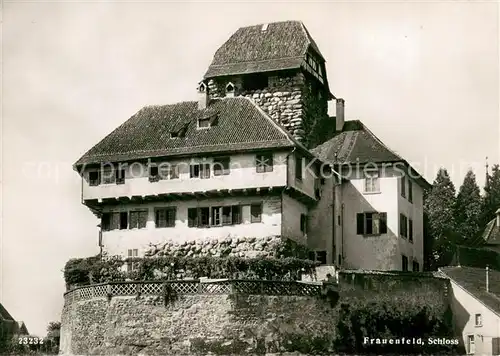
222 324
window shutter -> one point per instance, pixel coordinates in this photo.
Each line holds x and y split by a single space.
236 210
383 223
192 217
360 222
143 219
115 221
495 346
134 219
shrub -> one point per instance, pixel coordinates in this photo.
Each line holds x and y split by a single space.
97 270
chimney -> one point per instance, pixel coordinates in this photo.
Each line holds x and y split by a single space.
202 96
339 115
487 279
498 217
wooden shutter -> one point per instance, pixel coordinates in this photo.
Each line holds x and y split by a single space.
495 346
360 223
236 211
115 221
143 219
134 219
383 223
192 217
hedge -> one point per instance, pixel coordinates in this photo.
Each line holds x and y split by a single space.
96 270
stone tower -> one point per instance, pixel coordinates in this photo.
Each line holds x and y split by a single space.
280 67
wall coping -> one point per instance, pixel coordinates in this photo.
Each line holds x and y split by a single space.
193 287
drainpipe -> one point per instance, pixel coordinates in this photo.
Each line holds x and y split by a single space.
286 185
342 234
487 279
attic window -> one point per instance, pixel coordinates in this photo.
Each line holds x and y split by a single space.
229 88
204 123
174 134
264 27
255 81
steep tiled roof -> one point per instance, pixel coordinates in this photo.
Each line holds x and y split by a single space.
4 314
357 144
474 281
282 45
241 125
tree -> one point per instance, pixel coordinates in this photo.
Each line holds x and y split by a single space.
491 201
439 206
468 209
53 337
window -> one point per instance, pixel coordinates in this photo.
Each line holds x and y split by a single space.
303 223
264 163
221 166
204 123
123 220
416 266
255 81
410 191
132 266
478 320
154 175
404 263
216 216
106 222
298 167
192 217
120 176
200 171
226 215
317 189
321 257
410 230
372 182
256 213
94 178
403 187
371 223
403 225
108 176
204 217
165 217
471 347
138 219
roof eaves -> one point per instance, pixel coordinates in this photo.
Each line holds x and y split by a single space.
467 291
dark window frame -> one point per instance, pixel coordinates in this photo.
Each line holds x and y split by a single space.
136 219
404 263
258 218
416 266
403 186
120 176
410 191
165 217
264 162
299 172
403 225
94 181
303 223
365 223
221 166
410 230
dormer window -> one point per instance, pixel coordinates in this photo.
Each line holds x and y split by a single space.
230 89
204 123
174 134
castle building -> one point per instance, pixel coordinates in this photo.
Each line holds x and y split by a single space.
257 155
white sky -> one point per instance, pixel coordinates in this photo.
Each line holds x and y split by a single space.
422 76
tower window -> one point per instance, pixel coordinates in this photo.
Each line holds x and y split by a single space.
255 81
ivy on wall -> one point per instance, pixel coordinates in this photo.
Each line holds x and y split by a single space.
95 270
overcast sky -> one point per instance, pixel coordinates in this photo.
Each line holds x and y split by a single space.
422 76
